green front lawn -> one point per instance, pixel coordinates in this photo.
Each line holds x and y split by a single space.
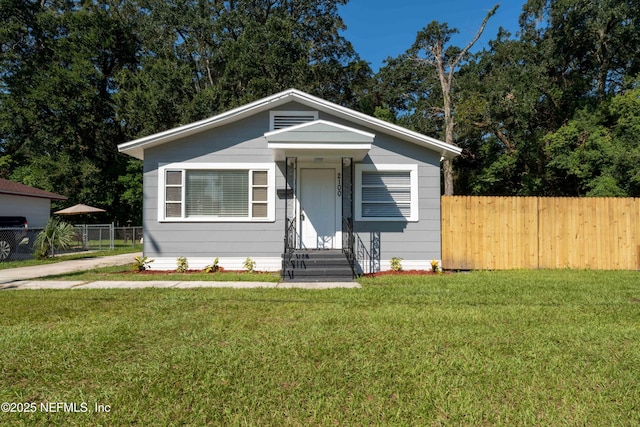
502 348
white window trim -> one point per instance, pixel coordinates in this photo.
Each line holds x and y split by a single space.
274 113
184 167
413 173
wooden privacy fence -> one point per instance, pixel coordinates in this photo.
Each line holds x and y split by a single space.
496 233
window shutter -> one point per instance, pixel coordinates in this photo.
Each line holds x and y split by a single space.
173 194
386 194
259 194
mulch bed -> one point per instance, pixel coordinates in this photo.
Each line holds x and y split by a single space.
221 270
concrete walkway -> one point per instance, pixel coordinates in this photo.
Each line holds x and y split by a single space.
23 273
26 278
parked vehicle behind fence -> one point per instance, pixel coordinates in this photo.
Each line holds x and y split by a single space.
13 229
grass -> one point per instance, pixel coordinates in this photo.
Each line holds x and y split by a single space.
498 348
72 256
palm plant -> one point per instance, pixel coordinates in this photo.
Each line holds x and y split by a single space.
57 234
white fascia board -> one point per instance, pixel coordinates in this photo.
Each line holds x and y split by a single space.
273 134
318 146
305 151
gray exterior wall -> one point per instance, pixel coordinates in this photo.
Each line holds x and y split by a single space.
35 209
408 240
238 143
243 142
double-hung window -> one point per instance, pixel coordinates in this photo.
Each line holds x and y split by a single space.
386 192
216 192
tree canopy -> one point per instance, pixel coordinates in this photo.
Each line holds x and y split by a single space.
525 106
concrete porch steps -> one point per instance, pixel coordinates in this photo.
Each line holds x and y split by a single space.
329 265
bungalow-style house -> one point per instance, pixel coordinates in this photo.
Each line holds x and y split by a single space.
22 200
296 183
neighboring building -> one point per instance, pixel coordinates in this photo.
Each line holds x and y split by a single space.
286 173
22 200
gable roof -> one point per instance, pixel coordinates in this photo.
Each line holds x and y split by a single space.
136 148
17 189
314 138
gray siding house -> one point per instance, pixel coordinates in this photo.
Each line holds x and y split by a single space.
291 174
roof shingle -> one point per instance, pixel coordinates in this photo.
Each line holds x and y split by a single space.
15 188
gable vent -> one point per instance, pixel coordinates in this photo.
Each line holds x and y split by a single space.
285 119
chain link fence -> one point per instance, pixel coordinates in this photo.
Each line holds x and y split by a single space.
17 244
105 236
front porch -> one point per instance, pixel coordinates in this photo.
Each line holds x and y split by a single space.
320 243
319 239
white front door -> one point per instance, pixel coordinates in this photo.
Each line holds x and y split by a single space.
318 208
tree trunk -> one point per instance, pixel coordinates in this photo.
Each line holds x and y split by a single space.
447 170
445 69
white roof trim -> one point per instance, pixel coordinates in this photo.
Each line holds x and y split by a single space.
136 148
273 134
301 141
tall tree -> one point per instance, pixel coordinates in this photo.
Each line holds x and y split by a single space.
589 45
59 60
430 49
596 153
534 116
218 55
411 78
501 119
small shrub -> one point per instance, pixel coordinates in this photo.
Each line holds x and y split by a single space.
435 266
183 265
141 263
213 268
249 264
396 264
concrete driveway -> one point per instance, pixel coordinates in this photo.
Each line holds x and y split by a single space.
22 273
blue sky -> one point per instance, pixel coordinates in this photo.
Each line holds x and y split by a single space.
382 28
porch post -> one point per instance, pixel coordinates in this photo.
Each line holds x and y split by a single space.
347 205
290 208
